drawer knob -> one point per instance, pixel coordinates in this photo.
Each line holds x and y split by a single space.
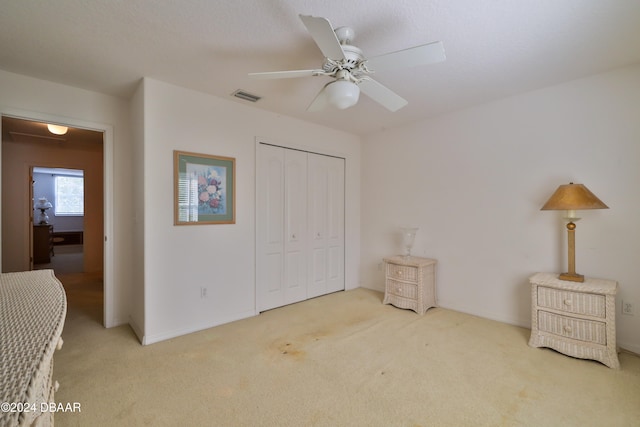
567 302
399 273
567 329
400 290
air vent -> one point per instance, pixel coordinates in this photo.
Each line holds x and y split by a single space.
246 96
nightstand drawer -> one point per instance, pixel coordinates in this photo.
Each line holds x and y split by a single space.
405 290
572 302
402 272
570 327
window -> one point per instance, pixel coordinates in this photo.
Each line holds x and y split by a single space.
69 195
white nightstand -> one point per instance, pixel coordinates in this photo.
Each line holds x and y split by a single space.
410 283
574 318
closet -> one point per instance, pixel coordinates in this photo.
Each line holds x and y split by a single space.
300 225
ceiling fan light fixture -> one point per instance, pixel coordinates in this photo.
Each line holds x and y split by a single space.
350 69
345 34
342 94
57 130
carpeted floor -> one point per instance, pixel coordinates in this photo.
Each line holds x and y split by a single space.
339 360
66 259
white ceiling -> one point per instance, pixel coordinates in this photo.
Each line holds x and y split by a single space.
495 48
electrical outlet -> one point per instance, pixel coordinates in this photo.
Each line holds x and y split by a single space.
203 292
627 308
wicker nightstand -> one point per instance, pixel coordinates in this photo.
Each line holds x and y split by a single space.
577 319
410 283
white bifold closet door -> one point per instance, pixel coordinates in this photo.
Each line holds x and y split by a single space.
326 224
300 226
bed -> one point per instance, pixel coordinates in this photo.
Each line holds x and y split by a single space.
33 307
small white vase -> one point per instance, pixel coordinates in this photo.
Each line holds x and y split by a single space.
408 238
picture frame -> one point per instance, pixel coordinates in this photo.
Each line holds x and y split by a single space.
204 189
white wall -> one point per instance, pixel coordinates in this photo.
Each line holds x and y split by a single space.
178 260
137 314
27 97
474 181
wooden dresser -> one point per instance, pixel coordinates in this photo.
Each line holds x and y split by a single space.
42 243
575 318
410 282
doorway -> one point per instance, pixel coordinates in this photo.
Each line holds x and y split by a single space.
58 225
26 142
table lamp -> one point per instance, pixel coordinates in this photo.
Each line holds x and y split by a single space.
43 204
408 237
572 197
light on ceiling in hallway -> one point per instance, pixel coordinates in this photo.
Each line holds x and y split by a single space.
57 130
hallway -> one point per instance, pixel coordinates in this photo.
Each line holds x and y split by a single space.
85 291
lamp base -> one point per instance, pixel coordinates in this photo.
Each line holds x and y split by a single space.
573 277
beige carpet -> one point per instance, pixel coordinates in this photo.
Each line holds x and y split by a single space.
339 360
66 259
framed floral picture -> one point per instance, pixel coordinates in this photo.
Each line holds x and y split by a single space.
204 189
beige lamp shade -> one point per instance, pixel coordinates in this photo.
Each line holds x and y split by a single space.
573 197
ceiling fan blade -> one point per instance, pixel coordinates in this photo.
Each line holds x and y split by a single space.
382 95
321 100
419 55
284 74
324 36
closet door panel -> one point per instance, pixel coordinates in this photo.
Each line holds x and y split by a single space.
317 198
274 203
270 199
318 192
335 224
274 275
319 263
295 219
334 266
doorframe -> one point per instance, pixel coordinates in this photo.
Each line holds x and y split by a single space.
107 186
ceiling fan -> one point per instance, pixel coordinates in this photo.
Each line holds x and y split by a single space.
350 69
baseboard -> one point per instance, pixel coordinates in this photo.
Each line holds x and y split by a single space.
117 322
373 288
154 338
136 329
631 348
520 322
